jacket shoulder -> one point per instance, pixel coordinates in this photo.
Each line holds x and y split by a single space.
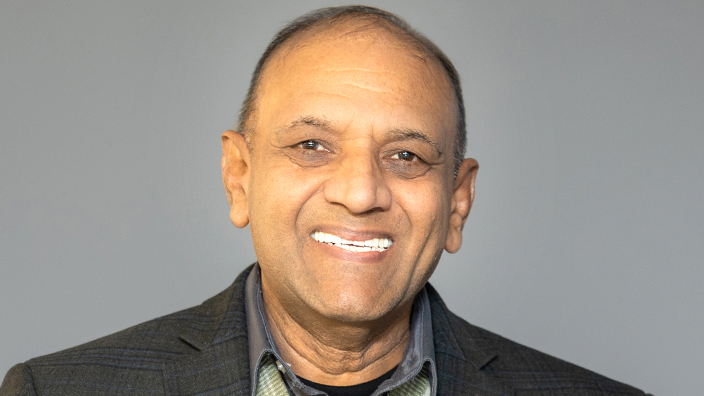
518 368
18 382
130 361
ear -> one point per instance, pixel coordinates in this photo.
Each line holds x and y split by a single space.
462 198
235 176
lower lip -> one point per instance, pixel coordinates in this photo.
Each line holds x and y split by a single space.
348 255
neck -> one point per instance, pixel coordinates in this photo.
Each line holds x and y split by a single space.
337 353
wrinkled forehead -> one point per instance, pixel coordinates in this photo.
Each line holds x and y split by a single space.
355 49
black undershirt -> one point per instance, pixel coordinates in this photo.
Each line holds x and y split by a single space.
364 389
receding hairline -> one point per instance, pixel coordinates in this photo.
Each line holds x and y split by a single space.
363 26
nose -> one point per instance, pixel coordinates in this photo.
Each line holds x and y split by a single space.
358 184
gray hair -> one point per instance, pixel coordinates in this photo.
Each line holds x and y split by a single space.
333 15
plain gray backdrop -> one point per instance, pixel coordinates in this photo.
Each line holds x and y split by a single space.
586 239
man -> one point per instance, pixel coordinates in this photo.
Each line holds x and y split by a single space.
348 167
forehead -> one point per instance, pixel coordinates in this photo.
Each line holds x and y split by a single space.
359 62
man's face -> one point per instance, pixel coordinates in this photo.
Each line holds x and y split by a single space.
352 145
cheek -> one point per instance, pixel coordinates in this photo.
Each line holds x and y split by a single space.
280 192
426 205
275 201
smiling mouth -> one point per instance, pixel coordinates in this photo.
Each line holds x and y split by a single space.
370 245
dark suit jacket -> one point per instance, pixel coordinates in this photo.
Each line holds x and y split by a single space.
204 351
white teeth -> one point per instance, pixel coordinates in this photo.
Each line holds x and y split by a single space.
376 244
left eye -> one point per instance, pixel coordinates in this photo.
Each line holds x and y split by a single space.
310 145
405 156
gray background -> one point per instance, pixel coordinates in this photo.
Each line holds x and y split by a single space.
585 240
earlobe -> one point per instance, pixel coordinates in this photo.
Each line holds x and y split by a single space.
235 165
462 199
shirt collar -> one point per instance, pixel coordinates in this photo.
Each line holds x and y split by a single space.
420 350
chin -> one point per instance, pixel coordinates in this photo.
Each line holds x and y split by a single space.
356 307
351 315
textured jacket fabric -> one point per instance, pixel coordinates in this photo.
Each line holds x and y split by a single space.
204 351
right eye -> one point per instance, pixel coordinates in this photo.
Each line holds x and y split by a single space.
311 145
309 153
405 156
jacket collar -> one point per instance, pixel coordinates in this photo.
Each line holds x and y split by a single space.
463 352
219 318
218 333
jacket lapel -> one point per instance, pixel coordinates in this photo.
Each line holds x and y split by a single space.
219 364
461 354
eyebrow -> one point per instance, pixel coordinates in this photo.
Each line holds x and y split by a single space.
319 123
414 134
